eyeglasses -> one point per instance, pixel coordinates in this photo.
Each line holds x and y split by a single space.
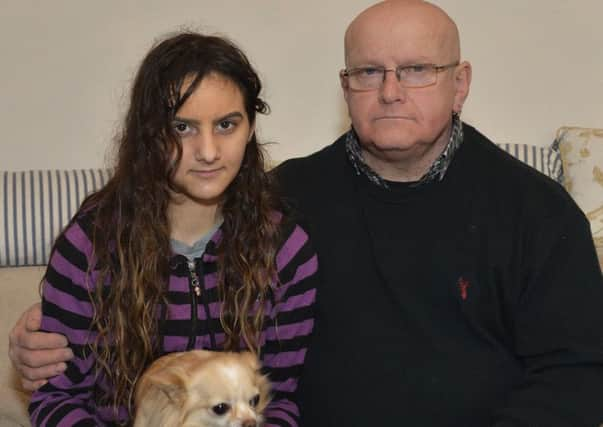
410 76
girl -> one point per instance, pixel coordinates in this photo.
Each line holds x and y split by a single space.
184 248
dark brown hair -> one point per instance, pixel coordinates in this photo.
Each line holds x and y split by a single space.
131 232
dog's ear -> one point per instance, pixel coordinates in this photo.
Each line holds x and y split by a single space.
191 360
265 392
250 359
163 378
168 382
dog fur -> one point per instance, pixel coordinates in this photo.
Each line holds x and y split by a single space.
203 389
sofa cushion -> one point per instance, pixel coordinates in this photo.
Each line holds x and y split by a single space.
20 290
35 206
582 155
13 408
546 160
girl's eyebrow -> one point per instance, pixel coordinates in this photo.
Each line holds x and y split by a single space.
187 121
232 115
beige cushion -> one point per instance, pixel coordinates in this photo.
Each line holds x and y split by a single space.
19 286
13 408
582 156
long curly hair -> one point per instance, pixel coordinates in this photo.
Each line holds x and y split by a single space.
131 232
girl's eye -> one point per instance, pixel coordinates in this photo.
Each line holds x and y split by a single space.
226 125
181 127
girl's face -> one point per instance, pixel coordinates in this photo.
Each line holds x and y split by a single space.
214 130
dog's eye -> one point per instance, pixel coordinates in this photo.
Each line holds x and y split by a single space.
221 408
254 401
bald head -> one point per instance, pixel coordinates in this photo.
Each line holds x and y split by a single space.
414 20
403 126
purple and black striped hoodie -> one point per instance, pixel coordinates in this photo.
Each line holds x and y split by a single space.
192 321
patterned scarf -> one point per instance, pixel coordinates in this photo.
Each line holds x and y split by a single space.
435 173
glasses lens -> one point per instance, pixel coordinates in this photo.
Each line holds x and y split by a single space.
417 75
366 78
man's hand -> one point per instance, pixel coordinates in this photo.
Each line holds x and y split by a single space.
37 356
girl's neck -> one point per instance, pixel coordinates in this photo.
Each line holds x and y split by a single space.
189 221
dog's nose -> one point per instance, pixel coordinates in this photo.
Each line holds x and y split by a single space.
249 423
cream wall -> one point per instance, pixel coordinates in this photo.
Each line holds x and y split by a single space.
66 67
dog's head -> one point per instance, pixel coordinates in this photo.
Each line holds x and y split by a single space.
203 389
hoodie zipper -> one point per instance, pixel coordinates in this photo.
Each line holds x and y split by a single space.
195 293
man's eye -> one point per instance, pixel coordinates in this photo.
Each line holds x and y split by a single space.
417 69
369 71
221 408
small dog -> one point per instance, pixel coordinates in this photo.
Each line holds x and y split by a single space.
203 389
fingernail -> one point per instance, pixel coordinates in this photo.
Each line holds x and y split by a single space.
61 368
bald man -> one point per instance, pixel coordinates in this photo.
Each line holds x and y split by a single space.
460 287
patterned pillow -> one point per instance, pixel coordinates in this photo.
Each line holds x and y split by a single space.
546 160
35 206
582 154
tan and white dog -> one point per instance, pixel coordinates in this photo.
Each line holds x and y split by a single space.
203 389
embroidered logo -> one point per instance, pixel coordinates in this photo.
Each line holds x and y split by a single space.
463 286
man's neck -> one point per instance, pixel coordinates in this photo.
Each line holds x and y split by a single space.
409 165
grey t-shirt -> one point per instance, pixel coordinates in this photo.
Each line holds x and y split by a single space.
197 249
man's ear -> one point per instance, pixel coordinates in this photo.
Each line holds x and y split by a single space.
462 83
344 85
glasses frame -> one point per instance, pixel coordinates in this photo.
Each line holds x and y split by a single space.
347 72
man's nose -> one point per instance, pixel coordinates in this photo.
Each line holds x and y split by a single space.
391 91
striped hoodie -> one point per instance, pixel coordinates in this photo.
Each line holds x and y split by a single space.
192 322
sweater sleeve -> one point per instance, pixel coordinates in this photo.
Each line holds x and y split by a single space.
288 335
67 399
559 329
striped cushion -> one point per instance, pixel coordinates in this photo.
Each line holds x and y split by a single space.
35 205
546 160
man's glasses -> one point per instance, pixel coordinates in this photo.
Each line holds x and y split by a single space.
411 76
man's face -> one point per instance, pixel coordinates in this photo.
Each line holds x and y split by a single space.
394 120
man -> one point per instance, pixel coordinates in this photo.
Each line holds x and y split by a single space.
460 287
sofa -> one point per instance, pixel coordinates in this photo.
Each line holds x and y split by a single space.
36 205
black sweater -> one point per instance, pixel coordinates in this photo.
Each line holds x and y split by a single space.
474 301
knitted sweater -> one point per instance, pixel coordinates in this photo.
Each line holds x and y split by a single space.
474 301
192 322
